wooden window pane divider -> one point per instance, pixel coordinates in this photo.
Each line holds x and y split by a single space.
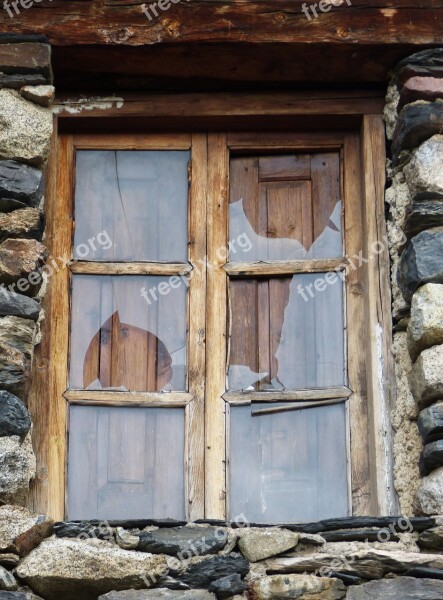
129 268
309 395
263 268
117 398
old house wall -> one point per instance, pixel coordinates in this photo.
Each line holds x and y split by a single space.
355 558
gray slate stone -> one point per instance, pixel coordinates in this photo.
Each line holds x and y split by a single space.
18 80
192 541
19 596
228 586
401 588
21 182
203 573
430 423
432 539
158 594
416 123
18 305
7 580
421 262
422 215
431 457
14 416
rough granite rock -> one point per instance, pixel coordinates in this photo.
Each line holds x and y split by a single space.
430 423
125 539
73 569
431 457
260 543
423 214
17 469
368 563
18 305
40 94
17 339
20 260
429 497
425 327
431 539
25 129
19 523
416 123
14 416
401 588
187 541
421 262
20 182
22 223
421 88
426 377
423 173
7 580
158 594
303 587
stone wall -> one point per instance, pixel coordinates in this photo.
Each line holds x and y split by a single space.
414 118
25 135
355 558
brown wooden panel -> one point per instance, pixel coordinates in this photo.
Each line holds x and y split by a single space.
275 168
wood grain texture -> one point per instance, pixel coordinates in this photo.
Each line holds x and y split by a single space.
263 268
116 398
238 398
216 325
133 268
381 378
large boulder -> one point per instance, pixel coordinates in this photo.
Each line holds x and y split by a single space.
17 339
426 323
421 262
421 215
426 377
303 587
416 123
20 261
22 223
423 173
257 543
17 469
429 497
184 541
25 129
73 569
14 416
21 184
18 523
404 588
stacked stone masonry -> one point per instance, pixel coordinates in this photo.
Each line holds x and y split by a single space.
355 558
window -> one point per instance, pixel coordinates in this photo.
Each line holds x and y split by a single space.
208 334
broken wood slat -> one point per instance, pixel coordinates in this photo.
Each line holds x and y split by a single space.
302 405
263 269
118 398
105 268
246 397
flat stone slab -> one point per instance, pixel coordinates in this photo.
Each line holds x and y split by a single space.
209 569
416 123
302 587
426 63
431 457
423 214
401 588
74 569
191 541
159 594
257 544
420 88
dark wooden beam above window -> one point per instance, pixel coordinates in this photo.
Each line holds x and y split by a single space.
227 45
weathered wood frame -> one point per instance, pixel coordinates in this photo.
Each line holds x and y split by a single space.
363 150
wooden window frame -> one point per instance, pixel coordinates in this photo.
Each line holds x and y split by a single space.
368 292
